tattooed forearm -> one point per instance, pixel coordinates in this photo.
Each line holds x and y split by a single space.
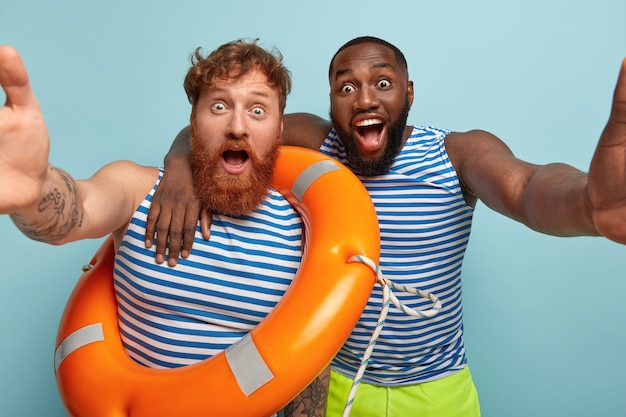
312 401
58 213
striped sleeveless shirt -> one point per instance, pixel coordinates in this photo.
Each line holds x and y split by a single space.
425 226
171 317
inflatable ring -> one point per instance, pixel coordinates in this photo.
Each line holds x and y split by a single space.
266 369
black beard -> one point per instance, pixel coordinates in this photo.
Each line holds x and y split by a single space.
380 166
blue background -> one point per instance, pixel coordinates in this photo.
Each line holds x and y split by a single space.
544 315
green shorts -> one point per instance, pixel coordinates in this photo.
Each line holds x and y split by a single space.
452 396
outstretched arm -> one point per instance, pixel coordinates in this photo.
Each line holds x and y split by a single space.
549 198
556 199
33 193
67 209
44 202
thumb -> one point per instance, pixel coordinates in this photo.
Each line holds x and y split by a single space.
14 78
619 96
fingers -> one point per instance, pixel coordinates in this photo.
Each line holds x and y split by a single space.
151 220
14 78
158 223
205 223
189 234
174 228
618 111
162 231
614 134
182 232
175 231
620 89
607 173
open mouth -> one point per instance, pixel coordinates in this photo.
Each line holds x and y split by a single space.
234 160
370 132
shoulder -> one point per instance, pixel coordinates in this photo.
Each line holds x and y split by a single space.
305 130
475 154
127 171
124 179
125 165
465 147
111 195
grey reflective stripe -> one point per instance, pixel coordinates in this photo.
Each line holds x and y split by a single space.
81 337
249 368
309 175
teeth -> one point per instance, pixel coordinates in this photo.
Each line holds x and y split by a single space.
369 122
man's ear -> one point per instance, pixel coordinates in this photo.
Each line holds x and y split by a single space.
410 93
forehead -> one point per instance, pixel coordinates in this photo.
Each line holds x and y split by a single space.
254 83
364 56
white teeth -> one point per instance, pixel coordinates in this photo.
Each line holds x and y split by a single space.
369 122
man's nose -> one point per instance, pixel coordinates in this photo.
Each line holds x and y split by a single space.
238 127
366 99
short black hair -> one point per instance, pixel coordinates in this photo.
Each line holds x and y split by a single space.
400 59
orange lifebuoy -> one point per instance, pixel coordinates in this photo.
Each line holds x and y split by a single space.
266 369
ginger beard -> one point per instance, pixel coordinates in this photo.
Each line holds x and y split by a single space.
225 193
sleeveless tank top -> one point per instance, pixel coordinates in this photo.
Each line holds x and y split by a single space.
425 226
171 317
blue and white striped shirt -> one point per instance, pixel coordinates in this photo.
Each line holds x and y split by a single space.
425 226
171 317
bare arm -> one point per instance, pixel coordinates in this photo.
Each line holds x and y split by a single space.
68 210
175 209
312 401
305 130
46 203
555 198
549 198
57 214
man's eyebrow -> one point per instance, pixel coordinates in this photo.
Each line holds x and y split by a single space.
261 92
383 65
379 65
341 72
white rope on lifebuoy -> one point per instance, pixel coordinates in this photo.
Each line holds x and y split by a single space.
388 298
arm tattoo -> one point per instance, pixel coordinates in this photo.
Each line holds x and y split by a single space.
58 212
312 401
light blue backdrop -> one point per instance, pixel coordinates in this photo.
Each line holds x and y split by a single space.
544 316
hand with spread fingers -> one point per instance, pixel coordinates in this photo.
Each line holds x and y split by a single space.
24 141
